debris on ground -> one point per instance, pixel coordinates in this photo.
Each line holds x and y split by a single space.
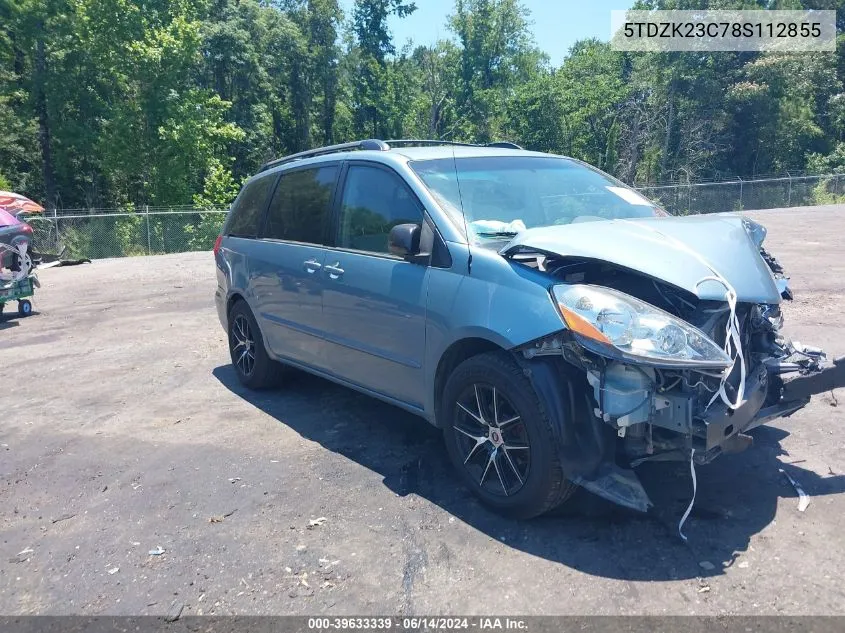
743 565
833 401
707 565
158 551
803 497
704 589
64 517
113 571
175 611
316 522
219 518
22 556
234 480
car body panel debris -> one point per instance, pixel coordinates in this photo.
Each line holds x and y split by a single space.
803 497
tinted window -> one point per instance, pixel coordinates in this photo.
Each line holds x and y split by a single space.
301 205
248 207
374 201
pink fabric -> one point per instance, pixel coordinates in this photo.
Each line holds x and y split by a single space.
7 219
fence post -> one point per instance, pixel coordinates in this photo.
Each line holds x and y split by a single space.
740 193
58 235
789 193
149 242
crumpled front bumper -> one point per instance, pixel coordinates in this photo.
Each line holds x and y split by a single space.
722 424
773 389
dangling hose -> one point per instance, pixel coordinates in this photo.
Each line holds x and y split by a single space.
692 501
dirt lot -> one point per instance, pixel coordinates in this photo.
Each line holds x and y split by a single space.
123 429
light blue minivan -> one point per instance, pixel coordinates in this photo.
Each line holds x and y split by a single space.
558 327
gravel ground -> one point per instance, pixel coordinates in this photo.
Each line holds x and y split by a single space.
124 430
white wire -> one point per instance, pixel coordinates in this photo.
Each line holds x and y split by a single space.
733 343
692 501
733 339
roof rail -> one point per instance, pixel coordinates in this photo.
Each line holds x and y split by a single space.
504 145
399 142
422 141
368 144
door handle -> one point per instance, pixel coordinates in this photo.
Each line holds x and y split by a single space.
335 271
311 266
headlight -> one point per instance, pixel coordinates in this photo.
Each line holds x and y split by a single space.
614 324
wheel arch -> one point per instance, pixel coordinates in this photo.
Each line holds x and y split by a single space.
234 297
454 355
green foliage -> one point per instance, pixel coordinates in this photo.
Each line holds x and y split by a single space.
219 189
107 103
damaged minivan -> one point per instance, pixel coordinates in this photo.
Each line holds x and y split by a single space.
560 328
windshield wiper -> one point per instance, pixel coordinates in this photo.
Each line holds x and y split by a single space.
497 233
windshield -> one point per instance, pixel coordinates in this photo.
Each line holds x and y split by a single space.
503 195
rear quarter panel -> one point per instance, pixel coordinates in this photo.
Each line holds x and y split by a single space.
232 274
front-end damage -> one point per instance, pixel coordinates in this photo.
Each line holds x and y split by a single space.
636 410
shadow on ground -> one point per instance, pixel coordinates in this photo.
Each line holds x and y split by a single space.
737 494
9 318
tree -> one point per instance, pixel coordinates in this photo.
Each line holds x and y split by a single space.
497 53
373 87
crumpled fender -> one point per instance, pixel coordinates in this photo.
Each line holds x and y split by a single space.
586 445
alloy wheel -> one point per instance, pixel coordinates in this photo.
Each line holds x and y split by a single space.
492 439
243 345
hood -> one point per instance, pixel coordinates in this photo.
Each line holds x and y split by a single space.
680 251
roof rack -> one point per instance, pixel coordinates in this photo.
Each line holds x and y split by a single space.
368 144
422 141
400 142
504 145
375 144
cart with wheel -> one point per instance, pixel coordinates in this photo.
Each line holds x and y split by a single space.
17 281
18 291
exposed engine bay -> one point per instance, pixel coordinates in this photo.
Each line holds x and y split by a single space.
663 412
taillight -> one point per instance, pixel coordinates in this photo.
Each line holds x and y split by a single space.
217 243
26 228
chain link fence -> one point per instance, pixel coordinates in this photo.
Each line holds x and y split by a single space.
746 195
98 233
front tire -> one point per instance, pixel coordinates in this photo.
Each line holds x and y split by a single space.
253 366
499 437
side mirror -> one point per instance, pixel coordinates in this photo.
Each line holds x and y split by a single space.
404 240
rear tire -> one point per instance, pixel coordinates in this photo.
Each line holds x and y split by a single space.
24 307
499 437
253 366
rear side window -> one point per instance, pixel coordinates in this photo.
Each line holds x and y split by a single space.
248 208
374 201
301 205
